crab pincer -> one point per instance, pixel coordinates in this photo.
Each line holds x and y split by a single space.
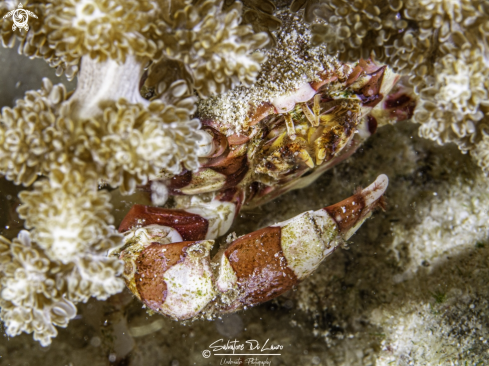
179 279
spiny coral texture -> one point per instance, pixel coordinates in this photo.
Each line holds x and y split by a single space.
67 217
39 292
104 133
442 46
61 261
208 39
290 64
126 145
213 44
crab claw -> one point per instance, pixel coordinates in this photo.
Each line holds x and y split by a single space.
264 264
350 213
180 280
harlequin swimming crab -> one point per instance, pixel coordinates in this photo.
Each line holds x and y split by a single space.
288 143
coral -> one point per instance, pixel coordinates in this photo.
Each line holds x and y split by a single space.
67 30
137 145
36 26
107 29
104 133
34 43
27 133
61 261
223 56
38 293
405 34
308 6
37 137
261 16
481 152
93 275
100 28
450 104
164 75
68 216
30 301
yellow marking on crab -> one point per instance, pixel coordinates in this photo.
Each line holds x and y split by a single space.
320 155
304 155
313 133
309 115
317 108
279 141
328 119
290 126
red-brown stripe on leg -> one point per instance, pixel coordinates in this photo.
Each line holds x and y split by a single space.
190 226
350 213
173 279
260 267
151 265
347 212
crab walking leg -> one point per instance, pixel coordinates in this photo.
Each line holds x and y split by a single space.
180 280
202 220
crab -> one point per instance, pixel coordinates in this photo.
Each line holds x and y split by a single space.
286 144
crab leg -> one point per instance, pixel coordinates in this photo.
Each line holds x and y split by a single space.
178 278
290 126
316 109
309 115
202 220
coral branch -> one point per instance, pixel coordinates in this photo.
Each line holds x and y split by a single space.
104 132
109 80
211 43
33 298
